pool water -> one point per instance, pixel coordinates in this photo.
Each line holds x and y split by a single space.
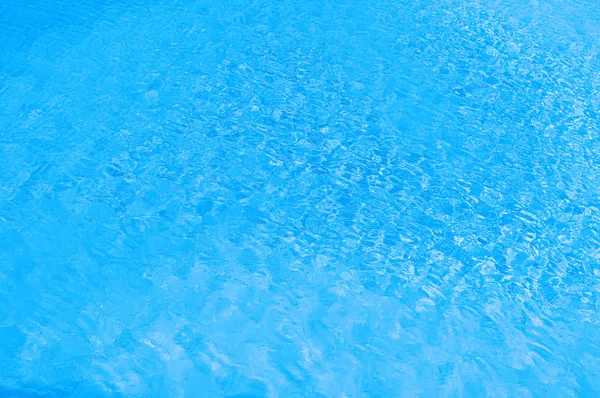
332 198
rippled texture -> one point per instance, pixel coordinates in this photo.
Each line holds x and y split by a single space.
299 198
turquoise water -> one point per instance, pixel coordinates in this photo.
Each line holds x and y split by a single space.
299 198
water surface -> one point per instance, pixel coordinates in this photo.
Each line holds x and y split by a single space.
299 198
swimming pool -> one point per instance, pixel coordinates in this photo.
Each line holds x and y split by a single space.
299 198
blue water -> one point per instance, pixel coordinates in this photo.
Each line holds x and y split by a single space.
299 198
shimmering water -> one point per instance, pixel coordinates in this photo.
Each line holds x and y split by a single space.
299 198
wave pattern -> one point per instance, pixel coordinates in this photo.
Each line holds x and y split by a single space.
277 198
